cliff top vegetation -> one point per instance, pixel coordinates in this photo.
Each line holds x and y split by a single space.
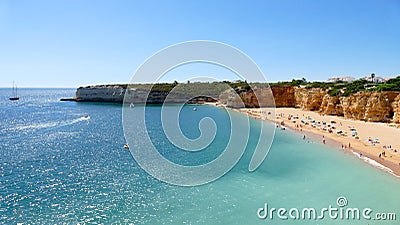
339 88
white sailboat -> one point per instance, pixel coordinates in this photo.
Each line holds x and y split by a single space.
14 97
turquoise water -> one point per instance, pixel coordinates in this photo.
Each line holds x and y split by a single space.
56 166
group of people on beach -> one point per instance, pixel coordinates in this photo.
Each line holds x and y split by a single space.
307 120
389 147
386 147
344 146
302 122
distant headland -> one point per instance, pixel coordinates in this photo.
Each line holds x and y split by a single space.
366 99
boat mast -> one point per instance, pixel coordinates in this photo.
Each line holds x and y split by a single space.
14 93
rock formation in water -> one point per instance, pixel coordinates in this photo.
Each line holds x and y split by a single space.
100 93
124 94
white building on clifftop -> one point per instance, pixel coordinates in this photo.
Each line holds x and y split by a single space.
347 79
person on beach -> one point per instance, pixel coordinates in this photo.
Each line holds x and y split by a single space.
349 145
304 137
323 141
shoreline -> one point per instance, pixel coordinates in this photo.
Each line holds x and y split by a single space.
385 165
388 162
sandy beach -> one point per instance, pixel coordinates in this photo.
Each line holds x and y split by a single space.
368 141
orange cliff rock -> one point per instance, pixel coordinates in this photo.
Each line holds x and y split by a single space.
396 109
309 99
259 97
331 105
369 106
366 106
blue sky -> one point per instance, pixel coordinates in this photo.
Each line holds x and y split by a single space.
73 43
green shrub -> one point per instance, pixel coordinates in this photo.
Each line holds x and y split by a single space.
334 92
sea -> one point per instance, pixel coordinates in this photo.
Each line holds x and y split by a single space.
64 163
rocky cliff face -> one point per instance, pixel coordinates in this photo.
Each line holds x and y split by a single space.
309 99
366 106
396 109
331 105
284 96
100 94
259 97
116 94
369 106
231 99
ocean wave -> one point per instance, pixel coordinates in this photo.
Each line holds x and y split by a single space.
374 163
51 124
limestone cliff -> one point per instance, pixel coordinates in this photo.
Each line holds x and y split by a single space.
396 109
100 94
366 106
309 99
284 96
369 106
231 99
331 105
120 94
259 97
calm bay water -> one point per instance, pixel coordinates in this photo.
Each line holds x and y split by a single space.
56 166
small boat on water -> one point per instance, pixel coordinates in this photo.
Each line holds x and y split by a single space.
126 146
194 109
15 93
132 105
